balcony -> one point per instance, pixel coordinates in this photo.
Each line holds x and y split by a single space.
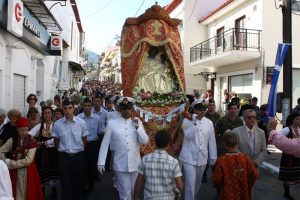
230 47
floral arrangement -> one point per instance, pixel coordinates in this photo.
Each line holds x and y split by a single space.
147 98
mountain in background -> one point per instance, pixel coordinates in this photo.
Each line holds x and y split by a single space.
93 59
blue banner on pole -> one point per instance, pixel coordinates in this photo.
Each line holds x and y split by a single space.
281 54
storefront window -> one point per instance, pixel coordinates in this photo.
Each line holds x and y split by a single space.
242 85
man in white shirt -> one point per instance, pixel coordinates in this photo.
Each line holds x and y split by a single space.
125 133
70 135
95 127
5 183
199 142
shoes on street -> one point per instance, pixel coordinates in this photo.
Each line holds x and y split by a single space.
53 193
97 178
288 196
204 179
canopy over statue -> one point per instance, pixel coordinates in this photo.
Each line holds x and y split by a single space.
152 36
153 73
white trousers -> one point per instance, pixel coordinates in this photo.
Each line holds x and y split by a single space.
125 184
192 180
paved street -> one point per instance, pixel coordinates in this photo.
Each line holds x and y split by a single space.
268 187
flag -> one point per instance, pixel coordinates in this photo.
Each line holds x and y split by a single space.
281 54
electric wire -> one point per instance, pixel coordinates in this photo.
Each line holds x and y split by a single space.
100 9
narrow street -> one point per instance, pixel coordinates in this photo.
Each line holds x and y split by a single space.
268 187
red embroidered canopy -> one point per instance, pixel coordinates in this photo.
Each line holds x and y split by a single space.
153 28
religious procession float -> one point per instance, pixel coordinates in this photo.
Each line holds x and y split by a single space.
153 73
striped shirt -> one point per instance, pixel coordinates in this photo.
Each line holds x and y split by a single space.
160 170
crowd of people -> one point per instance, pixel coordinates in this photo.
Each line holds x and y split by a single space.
78 136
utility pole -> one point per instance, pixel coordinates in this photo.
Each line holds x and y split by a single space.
288 63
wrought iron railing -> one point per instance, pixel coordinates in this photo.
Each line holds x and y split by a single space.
232 39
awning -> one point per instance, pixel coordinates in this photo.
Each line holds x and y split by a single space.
40 11
75 66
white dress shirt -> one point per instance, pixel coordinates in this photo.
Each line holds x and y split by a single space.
70 134
251 137
126 140
198 142
94 125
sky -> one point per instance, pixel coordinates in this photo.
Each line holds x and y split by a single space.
102 20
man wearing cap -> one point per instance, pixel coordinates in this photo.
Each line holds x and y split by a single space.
70 135
198 143
230 122
114 114
18 153
125 134
95 127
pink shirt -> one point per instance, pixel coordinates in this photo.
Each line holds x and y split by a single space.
288 146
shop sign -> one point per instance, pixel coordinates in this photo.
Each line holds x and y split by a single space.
56 43
63 85
32 27
15 17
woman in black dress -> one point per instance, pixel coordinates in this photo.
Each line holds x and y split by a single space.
46 154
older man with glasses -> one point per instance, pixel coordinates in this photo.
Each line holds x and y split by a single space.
251 139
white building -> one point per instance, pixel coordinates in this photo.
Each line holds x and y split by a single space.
111 65
234 43
26 60
28 64
68 71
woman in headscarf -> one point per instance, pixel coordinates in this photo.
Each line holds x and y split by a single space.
18 153
46 155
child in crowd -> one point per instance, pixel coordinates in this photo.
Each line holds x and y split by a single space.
159 171
234 173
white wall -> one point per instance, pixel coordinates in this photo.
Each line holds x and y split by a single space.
194 34
70 33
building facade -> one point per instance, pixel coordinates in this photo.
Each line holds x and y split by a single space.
68 70
25 52
32 59
232 45
110 68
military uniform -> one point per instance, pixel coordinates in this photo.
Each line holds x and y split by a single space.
125 137
223 125
213 117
